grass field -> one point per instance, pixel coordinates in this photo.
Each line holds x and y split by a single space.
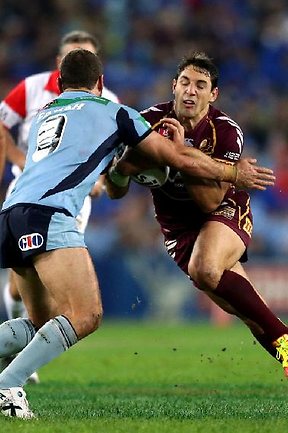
154 378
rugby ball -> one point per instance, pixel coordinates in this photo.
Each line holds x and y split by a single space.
153 177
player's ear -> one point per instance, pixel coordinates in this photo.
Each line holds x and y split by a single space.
60 85
214 94
174 82
100 84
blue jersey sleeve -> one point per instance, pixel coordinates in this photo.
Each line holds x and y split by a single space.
132 127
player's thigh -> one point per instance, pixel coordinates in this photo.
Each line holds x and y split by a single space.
70 279
217 245
13 289
38 303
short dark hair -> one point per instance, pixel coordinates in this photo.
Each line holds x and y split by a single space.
79 37
202 62
80 68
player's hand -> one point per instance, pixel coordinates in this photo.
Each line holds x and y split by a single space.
175 129
250 175
98 187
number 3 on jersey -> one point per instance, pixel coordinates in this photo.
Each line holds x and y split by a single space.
49 136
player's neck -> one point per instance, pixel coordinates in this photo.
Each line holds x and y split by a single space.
80 89
187 123
190 123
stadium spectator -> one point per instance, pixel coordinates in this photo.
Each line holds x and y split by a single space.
38 231
18 109
207 225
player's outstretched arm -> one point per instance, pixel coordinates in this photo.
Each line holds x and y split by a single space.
161 151
245 174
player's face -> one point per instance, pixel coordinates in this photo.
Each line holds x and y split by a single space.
69 47
193 93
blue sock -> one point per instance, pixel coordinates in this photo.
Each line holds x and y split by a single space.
15 334
49 342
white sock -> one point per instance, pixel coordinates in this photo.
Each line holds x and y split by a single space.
14 308
49 342
15 334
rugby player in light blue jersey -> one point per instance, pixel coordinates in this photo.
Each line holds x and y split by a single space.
72 141
17 109
75 137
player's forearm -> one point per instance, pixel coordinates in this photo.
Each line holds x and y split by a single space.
14 154
195 163
207 194
189 161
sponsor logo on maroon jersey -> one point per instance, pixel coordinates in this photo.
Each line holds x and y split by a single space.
206 146
234 156
164 132
227 212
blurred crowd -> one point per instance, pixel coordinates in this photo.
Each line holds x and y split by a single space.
142 43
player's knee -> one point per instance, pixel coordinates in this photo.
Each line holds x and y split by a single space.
96 320
88 323
205 275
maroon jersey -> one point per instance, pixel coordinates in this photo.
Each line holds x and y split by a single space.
179 216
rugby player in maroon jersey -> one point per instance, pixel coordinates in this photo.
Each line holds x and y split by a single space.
207 224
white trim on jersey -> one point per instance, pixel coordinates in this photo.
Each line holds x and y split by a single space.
240 138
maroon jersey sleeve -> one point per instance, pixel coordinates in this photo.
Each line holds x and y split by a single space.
155 113
229 138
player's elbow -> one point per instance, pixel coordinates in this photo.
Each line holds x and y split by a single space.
208 207
207 202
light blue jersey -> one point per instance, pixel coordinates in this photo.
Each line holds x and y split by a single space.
71 142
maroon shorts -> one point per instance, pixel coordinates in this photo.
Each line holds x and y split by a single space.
236 215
